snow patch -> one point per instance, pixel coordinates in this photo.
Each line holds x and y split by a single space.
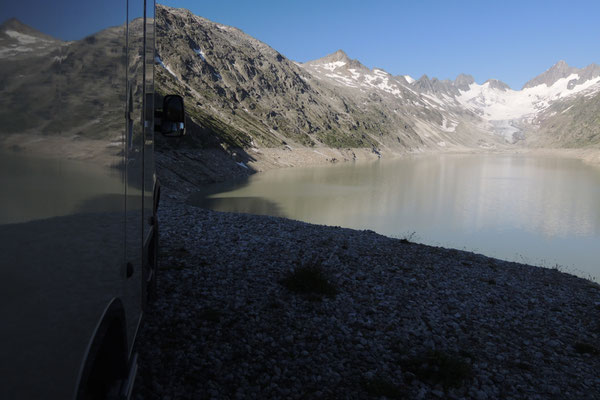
333 65
592 92
355 74
13 51
566 109
23 38
433 98
342 79
353 78
495 104
409 78
162 64
225 28
200 53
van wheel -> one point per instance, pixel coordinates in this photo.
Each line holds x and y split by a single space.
106 364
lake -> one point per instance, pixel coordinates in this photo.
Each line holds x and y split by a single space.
534 209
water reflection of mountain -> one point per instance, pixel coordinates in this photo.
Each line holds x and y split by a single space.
65 98
453 193
470 193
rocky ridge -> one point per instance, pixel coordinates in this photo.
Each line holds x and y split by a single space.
262 99
562 70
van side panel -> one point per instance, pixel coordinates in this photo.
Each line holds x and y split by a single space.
149 226
71 185
134 165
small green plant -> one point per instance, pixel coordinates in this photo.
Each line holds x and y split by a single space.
309 279
558 268
408 238
381 387
437 367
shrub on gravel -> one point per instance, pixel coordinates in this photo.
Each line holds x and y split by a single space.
408 238
309 279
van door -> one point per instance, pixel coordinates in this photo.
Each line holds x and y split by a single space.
134 165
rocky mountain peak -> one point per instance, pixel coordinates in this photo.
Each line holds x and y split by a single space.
336 60
558 71
590 72
561 68
423 83
463 81
338 56
433 85
15 25
496 84
18 40
560 64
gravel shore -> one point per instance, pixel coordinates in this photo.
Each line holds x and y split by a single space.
255 307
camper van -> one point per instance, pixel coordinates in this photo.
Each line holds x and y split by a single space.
79 194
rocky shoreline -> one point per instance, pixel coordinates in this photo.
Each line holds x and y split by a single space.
273 158
264 307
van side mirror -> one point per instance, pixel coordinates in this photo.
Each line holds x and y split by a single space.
170 121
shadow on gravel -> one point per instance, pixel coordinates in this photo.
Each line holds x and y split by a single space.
381 387
438 367
246 205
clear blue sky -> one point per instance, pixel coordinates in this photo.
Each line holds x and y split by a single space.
508 40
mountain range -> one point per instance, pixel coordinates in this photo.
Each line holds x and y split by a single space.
250 95
241 93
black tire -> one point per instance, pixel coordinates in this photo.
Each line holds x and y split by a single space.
106 362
